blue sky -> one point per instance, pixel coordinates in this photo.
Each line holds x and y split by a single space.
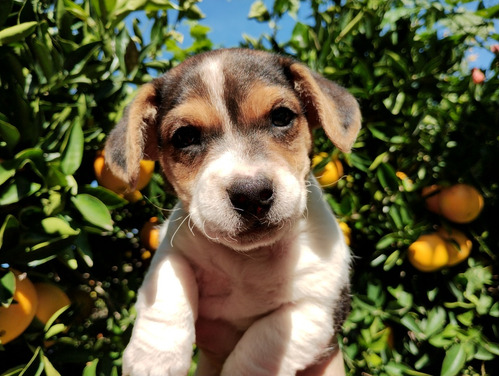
228 21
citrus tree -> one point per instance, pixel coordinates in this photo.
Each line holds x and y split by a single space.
430 125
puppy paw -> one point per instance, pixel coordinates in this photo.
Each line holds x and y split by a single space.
141 360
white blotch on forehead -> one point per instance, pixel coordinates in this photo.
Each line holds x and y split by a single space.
213 77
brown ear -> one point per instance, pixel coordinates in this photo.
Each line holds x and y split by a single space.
327 105
134 137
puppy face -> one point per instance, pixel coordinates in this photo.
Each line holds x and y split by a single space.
231 130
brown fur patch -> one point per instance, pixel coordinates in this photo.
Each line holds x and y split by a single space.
197 112
342 309
328 105
262 98
181 166
134 138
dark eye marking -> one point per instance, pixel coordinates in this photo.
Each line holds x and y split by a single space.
282 117
186 136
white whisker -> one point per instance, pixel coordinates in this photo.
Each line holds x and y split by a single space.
177 230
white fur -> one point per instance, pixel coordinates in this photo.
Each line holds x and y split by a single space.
212 212
283 295
214 82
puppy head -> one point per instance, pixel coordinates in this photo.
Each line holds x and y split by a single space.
232 132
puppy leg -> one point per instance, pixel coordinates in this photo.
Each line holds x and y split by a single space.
331 365
282 343
163 335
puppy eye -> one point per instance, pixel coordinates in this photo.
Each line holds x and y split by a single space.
186 136
282 117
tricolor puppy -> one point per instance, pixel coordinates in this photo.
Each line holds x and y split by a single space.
253 267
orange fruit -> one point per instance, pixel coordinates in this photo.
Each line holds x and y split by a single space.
460 203
150 234
146 169
107 179
146 255
431 196
330 173
15 318
428 253
133 196
346 230
50 299
458 245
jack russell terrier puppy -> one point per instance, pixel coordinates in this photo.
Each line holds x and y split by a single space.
253 267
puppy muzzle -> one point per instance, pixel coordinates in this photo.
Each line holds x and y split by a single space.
251 199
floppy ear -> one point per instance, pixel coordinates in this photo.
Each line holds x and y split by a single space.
327 105
134 137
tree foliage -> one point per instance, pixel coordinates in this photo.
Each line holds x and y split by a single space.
67 70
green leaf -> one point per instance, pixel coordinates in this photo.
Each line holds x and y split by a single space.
392 260
49 368
198 31
68 257
9 134
73 152
33 157
13 371
54 225
7 170
17 32
9 232
383 157
43 58
409 321
53 204
123 8
446 337
35 365
46 250
77 11
84 249
55 329
93 210
387 177
385 242
259 11
50 329
394 103
76 60
484 354
404 299
454 360
91 368
377 130
348 28
7 288
108 197
19 189
487 13
290 7
435 322
396 217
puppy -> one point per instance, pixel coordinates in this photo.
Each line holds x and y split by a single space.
252 267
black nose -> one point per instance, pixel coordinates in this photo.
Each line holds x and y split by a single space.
251 197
